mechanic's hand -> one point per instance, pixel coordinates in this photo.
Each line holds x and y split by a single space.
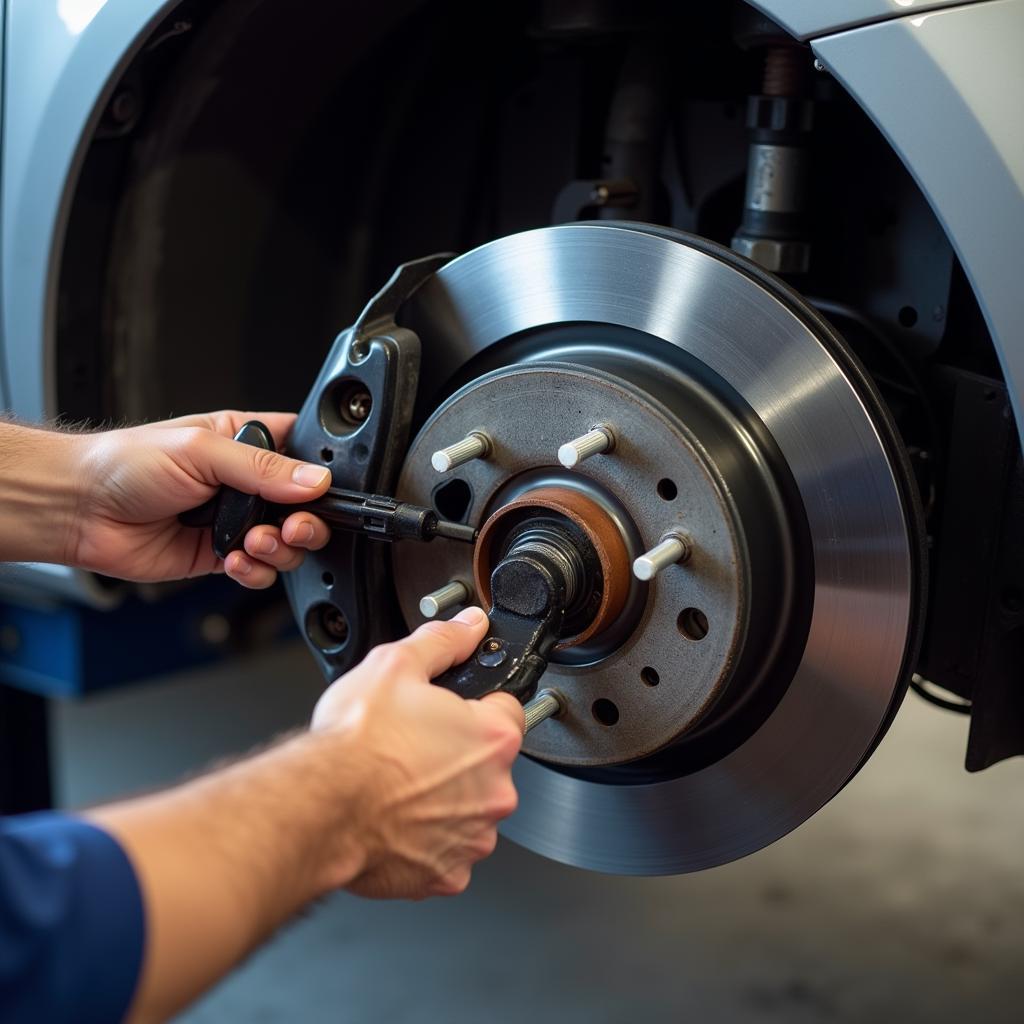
133 483
431 771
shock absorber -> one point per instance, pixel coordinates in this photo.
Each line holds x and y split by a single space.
773 231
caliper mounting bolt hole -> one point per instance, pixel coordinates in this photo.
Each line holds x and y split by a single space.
327 627
345 406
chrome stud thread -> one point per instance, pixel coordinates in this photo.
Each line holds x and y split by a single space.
594 442
476 445
672 549
444 598
547 704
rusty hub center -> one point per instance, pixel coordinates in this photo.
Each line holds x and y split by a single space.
585 515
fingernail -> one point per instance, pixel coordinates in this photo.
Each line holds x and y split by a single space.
310 476
470 616
266 545
303 533
241 565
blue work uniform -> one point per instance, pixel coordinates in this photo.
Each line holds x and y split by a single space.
71 922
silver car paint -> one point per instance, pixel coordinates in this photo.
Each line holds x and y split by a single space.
947 90
60 67
61 59
806 19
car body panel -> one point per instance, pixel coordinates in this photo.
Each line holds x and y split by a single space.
806 19
947 88
63 57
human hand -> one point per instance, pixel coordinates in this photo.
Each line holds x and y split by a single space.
133 483
395 790
430 772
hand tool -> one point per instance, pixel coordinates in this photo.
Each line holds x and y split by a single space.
232 514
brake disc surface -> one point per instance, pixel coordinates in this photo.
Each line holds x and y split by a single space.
615 299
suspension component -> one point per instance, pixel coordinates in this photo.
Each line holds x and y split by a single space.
773 231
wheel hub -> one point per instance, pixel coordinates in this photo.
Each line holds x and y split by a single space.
642 665
735 693
591 539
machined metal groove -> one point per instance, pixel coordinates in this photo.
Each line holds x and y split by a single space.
537 541
475 445
596 441
547 704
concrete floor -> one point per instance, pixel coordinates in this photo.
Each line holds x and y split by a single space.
902 901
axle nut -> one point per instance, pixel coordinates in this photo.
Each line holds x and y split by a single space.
596 524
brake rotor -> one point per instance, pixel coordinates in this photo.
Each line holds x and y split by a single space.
727 700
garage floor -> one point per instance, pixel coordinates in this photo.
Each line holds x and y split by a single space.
902 901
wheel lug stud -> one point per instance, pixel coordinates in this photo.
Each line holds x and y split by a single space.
547 704
593 442
448 596
672 549
476 445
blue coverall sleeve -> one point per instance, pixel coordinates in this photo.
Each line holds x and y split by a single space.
71 922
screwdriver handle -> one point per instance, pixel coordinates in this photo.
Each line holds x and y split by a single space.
232 514
235 513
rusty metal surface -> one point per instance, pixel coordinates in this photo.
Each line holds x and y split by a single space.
602 532
529 411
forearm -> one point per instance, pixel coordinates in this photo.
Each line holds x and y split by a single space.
39 474
226 859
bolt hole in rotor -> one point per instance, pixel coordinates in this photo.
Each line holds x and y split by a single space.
649 676
692 623
452 500
907 316
327 627
328 579
345 407
667 489
326 455
605 712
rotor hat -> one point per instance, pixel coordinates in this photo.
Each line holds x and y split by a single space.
620 632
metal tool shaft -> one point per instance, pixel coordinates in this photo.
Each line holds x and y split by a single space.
380 516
